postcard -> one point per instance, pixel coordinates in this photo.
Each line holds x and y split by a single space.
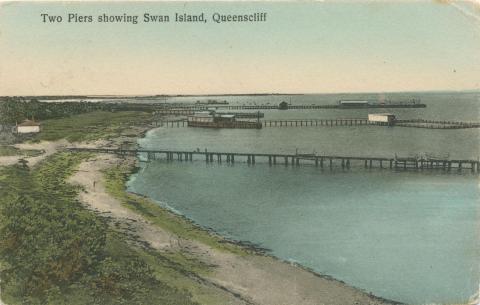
260 153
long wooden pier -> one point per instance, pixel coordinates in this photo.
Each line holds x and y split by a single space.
284 123
195 107
322 161
181 111
415 123
436 124
315 122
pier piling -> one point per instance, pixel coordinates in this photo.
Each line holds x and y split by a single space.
410 163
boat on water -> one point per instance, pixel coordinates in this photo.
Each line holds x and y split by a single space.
211 119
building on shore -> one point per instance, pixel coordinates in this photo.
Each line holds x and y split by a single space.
381 118
28 126
211 119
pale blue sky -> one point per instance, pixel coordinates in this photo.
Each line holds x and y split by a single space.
309 47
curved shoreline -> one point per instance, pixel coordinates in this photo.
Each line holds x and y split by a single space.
258 250
163 137
290 268
232 273
253 249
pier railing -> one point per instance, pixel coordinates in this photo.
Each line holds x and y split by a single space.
192 111
295 107
315 122
415 123
322 161
436 124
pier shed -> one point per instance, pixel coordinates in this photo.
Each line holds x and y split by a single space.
28 126
381 118
201 116
214 120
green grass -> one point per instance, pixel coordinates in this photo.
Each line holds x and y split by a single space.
6 150
185 274
54 251
91 126
116 178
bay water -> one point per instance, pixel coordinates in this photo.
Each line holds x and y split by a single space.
408 236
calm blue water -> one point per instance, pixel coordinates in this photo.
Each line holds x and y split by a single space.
406 236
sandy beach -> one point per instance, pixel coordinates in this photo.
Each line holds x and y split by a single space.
251 279
242 279
239 279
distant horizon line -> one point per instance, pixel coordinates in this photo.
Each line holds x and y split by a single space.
237 94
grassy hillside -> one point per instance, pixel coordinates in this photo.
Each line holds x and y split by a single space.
7 150
55 251
91 126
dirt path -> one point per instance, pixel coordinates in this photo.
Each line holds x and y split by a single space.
48 147
258 279
97 198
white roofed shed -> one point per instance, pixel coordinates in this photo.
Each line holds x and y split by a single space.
381 118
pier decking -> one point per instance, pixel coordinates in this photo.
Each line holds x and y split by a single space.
322 161
284 123
314 122
240 115
435 124
415 123
294 107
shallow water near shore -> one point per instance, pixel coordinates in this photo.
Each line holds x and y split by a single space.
402 236
406 236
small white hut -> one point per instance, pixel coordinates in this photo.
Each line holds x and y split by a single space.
28 126
381 118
